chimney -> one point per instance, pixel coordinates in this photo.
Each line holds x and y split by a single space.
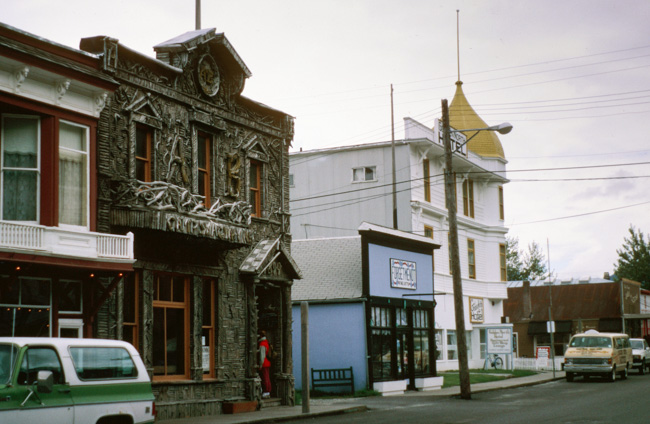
527 305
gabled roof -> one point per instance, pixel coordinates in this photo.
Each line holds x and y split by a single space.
264 254
192 39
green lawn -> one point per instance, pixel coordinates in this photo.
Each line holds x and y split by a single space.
451 378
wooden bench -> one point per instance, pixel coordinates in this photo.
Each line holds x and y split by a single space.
332 377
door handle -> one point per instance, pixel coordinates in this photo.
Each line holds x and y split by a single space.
64 390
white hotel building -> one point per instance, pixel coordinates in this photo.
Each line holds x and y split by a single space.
334 190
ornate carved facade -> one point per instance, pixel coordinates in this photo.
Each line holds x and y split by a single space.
199 174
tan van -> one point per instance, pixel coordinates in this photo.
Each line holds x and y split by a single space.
601 354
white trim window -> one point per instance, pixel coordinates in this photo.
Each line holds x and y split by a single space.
73 175
20 166
364 173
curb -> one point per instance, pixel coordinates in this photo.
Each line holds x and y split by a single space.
342 411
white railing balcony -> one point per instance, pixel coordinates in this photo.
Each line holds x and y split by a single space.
55 241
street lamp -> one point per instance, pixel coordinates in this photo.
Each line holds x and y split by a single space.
505 128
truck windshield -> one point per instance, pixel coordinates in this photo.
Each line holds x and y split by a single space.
637 344
591 342
8 354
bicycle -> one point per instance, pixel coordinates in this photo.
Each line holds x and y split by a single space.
494 361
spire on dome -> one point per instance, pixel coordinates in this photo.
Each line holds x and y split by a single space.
462 116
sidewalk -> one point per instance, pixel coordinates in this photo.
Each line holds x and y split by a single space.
322 407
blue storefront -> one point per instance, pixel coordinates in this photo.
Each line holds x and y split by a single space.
370 307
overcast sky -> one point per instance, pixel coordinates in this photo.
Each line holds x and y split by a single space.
573 77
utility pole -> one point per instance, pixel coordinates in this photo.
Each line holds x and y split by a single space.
392 132
198 15
461 342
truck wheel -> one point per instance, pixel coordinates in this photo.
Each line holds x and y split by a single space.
612 376
569 377
642 369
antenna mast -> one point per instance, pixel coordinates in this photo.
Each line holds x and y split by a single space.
457 40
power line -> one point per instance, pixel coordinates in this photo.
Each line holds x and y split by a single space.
581 214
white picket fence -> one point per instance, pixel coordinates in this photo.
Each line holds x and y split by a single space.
542 364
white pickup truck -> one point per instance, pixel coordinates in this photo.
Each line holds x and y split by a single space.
56 380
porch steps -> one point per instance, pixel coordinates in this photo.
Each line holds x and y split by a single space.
271 402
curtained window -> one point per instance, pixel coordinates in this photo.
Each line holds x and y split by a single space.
20 167
73 174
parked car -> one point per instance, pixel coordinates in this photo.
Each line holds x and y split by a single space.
58 380
595 353
640 355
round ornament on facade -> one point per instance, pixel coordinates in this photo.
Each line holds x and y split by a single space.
208 75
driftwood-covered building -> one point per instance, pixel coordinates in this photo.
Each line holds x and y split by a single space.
199 175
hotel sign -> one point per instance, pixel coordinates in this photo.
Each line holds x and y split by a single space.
403 274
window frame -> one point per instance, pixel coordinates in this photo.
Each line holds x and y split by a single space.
37 170
468 197
503 261
256 192
171 304
365 169
501 204
211 328
146 160
132 326
471 258
426 179
87 188
204 174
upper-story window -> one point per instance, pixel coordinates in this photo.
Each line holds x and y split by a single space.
468 198
426 180
364 173
502 262
20 167
471 258
255 187
501 207
143 139
73 174
204 148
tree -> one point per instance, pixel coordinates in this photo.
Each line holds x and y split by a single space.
529 265
634 258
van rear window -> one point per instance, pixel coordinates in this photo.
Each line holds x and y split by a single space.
591 342
101 363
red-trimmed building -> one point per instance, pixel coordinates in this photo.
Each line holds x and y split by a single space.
56 268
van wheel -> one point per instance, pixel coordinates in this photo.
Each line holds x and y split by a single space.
642 369
612 375
569 377
624 373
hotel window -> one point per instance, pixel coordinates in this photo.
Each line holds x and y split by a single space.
471 258
502 262
452 345
365 173
143 139
131 309
451 269
171 327
208 328
381 343
255 188
501 208
20 167
204 147
73 174
468 198
426 179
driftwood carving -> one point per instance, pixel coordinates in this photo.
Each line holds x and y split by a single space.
160 195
